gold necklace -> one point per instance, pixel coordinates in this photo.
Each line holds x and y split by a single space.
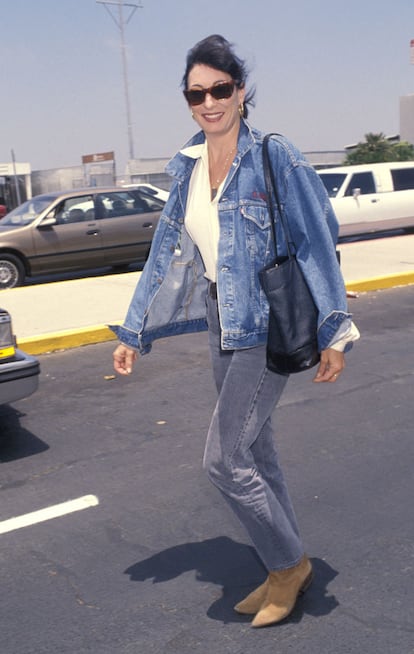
222 174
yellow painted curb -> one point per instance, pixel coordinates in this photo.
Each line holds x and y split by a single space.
100 333
66 339
379 283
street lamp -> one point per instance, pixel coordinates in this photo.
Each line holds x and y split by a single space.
120 21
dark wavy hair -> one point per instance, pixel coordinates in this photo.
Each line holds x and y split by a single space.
215 51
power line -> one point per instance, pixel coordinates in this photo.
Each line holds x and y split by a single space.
121 21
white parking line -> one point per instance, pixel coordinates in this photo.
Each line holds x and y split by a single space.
49 513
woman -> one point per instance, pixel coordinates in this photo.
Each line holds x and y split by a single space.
202 273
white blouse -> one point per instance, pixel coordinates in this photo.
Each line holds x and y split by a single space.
201 216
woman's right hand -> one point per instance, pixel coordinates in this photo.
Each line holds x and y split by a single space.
124 359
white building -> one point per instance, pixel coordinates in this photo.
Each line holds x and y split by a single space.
407 118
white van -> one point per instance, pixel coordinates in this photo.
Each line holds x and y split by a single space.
371 197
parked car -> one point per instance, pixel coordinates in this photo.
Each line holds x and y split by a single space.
19 372
76 230
371 197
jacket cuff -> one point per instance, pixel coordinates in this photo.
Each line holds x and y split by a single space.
344 338
130 338
330 327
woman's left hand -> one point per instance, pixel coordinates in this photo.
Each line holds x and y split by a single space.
331 365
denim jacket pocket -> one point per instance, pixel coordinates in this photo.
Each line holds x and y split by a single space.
258 233
256 213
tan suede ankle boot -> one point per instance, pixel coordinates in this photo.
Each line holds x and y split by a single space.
283 589
252 603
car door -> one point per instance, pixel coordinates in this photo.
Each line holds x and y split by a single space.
73 241
127 222
361 207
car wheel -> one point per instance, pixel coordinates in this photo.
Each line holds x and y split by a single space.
11 271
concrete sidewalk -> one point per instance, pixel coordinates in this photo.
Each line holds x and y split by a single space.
60 315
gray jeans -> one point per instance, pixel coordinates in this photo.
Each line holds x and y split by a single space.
240 455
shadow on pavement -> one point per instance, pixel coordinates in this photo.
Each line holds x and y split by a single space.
236 568
81 274
16 442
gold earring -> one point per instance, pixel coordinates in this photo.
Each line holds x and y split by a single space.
241 109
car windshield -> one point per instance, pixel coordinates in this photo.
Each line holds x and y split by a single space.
25 213
332 182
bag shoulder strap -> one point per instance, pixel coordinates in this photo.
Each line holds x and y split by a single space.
271 192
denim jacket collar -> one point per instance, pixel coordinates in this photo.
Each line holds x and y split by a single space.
181 165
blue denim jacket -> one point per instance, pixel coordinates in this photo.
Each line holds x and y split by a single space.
170 295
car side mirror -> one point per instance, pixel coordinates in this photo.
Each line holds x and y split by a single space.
49 221
356 192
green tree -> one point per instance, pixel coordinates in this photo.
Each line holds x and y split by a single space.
404 151
376 148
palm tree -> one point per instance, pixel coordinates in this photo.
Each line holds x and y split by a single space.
376 148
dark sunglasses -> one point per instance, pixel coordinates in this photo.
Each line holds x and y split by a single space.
220 91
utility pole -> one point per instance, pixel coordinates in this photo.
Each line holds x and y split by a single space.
16 181
121 21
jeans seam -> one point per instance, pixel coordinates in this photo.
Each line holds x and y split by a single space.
245 425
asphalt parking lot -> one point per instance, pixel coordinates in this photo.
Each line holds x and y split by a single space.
157 565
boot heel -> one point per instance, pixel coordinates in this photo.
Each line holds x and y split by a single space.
306 584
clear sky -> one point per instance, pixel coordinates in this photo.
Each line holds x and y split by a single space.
326 73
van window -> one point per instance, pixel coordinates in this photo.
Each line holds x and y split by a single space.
403 178
362 181
332 182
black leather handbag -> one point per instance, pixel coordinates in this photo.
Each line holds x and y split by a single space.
293 316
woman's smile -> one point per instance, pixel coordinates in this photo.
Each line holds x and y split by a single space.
213 117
